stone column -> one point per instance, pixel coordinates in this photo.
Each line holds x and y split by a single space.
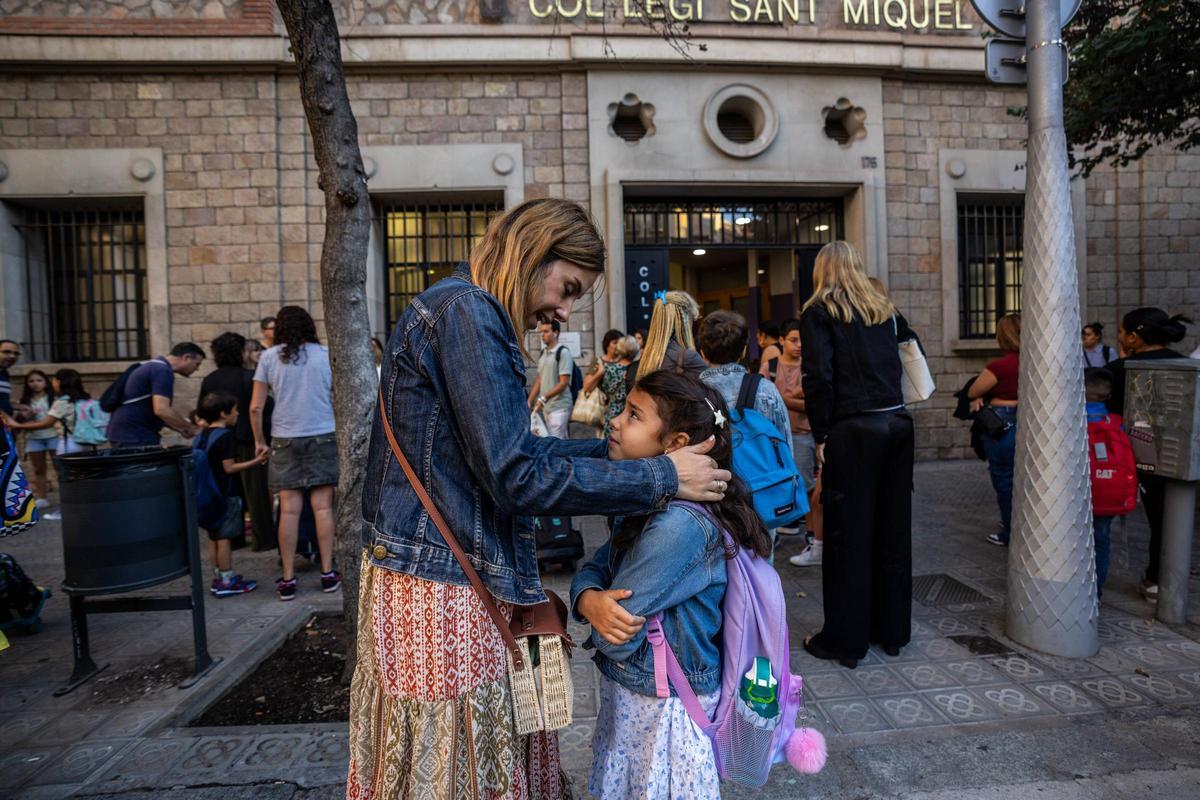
1052 603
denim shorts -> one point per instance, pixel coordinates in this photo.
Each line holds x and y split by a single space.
303 462
232 525
41 445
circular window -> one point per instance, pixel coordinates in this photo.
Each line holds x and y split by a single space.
740 121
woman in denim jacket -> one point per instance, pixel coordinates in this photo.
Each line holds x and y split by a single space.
670 562
430 713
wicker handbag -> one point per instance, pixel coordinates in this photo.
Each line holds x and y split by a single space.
535 638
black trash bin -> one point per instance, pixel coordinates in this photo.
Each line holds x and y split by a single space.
129 522
125 523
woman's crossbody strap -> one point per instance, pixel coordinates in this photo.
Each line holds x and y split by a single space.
439 522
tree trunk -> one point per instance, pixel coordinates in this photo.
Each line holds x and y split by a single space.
313 32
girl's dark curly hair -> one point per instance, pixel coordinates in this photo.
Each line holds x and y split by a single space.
70 385
229 349
294 328
687 405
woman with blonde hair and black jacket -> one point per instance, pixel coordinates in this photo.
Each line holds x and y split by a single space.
864 436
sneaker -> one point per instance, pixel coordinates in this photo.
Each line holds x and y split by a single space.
331 581
285 589
809 556
788 530
1150 591
41 502
997 539
52 515
234 585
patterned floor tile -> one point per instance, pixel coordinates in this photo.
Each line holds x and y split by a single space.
144 763
1151 655
1144 628
209 756
1159 688
271 751
1021 669
1189 678
960 705
327 749
948 626
854 716
1066 698
939 649
1110 691
828 685
81 761
909 711
1112 661
879 681
1067 667
922 630
927 676
17 767
974 671
1015 701
1184 647
71 726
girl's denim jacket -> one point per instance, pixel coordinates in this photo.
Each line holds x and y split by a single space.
453 384
676 567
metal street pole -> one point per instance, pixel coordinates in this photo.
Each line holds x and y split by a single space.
1052 604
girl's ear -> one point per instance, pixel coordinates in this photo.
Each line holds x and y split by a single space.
674 441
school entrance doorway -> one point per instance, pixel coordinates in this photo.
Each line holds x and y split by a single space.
752 256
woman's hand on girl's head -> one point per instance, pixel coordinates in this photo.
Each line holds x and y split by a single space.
700 479
606 616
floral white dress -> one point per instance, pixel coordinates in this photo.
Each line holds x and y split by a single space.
647 747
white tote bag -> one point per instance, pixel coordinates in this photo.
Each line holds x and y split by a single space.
915 379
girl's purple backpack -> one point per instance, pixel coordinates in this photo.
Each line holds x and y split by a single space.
754 625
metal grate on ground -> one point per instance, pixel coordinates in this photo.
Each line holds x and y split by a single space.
939 589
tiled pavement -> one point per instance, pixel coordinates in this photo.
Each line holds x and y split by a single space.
52 747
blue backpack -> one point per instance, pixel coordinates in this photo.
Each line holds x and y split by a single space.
211 502
762 458
91 422
576 385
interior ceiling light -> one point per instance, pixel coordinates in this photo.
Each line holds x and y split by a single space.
699 251
821 228
742 221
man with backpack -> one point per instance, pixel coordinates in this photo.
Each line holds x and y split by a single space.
721 339
140 399
1113 467
552 393
219 508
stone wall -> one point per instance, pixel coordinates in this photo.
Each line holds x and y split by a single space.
124 9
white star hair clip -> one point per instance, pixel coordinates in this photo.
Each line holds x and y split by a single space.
718 417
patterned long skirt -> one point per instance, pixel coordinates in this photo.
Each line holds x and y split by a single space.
430 712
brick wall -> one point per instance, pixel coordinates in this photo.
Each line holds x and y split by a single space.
139 17
1142 240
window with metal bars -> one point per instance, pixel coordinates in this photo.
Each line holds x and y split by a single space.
761 223
991 258
424 241
85 280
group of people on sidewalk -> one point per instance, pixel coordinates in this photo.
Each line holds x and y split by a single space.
432 701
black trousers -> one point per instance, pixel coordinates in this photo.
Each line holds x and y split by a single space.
866 568
1154 499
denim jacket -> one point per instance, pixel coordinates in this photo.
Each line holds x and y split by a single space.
677 567
727 379
453 382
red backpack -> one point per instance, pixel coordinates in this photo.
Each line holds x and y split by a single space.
1114 474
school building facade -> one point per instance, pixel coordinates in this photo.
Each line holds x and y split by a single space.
157 182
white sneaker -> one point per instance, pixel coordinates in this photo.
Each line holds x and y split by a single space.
42 502
809 556
52 515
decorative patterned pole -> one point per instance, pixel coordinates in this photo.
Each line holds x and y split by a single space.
1052 603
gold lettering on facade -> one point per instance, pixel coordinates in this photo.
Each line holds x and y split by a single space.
941 8
900 21
685 11
565 10
533 9
632 12
739 11
594 13
912 13
958 23
850 14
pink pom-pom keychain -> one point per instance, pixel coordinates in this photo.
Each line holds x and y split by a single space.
805 750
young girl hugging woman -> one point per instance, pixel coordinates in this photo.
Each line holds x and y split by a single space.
669 562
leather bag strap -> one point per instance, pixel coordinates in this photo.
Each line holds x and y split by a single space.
439 522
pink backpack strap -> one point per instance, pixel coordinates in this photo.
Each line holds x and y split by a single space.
668 671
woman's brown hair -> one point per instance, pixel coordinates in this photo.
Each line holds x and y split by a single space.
518 247
1008 333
